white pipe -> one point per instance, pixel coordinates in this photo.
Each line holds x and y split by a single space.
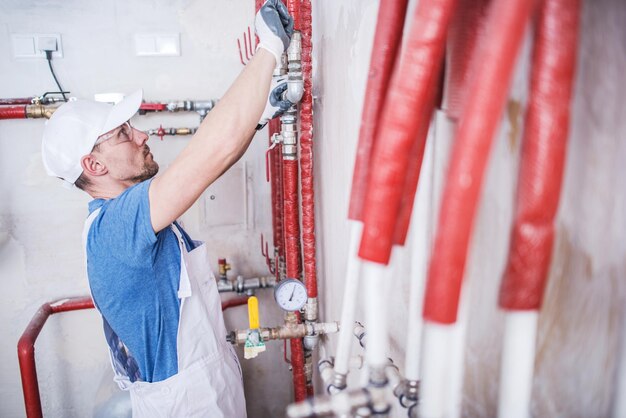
619 403
435 370
376 285
350 299
421 236
457 354
518 363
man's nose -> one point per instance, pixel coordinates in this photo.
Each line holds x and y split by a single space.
140 137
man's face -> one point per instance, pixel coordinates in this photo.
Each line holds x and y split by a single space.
126 155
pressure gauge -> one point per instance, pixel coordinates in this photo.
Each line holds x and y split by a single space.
290 294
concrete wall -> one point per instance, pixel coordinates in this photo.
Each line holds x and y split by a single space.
40 221
579 325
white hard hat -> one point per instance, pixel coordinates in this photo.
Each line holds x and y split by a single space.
74 128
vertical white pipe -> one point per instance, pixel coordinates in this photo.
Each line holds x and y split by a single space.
376 285
457 355
619 403
518 364
420 234
350 299
435 370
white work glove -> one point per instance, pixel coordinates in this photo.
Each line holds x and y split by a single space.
274 27
276 105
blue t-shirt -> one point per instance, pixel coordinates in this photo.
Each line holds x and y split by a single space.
134 276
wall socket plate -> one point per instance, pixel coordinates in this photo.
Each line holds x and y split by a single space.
31 45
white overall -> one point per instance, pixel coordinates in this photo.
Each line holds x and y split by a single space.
209 381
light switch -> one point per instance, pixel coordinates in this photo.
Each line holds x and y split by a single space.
157 44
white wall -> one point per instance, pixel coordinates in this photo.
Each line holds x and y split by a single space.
40 221
579 326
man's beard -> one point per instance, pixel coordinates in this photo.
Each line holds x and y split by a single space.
149 170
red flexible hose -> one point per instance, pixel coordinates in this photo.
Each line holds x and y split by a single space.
276 184
13 112
297 365
488 89
292 222
387 40
543 155
408 103
466 28
306 157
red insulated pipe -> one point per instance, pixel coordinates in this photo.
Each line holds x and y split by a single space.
18 101
294 10
26 345
291 211
26 349
387 40
307 189
297 365
466 28
408 103
543 155
274 127
487 93
13 112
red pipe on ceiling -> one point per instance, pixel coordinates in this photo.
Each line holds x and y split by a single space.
13 112
543 155
408 107
387 41
491 73
17 101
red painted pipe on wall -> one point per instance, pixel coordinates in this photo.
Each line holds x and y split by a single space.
387 41
26 345
13 112
26 349
543 155
307 189
407 107
17 101
491 74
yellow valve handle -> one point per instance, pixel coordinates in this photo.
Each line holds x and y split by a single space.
253 312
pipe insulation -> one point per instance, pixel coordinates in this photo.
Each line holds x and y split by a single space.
488 88
407 104
466 29
543 155
276 189
306 156
387 41
297 366
13 112
17 101
292 222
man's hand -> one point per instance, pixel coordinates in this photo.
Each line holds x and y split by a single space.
275 105
274 27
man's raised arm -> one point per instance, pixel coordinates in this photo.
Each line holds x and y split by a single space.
226 132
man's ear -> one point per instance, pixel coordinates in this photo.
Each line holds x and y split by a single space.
92 166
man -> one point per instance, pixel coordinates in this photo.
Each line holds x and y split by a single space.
151 283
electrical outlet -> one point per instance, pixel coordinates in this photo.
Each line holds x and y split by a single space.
34 45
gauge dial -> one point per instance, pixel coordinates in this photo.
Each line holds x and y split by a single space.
290 294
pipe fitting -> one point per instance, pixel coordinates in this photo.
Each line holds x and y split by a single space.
37 111
360 334
248 286
310 310
287 331
289 133
342 404
295 81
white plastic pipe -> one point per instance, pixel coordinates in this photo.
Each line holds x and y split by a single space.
350 299
435 370
619 403
376 285
518 364
421 235
457 355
